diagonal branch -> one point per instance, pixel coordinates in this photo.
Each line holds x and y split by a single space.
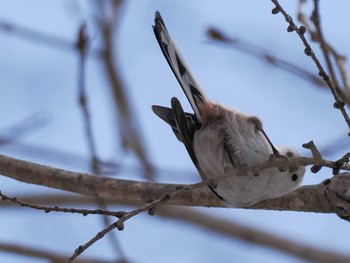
23 128
339 104
328 50
119 224
259 53
41 38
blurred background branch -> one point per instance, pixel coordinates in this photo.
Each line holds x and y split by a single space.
130 131
82 45
107 20
42 38
254 50
334 60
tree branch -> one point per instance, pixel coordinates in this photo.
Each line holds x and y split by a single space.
212 223
339 104
328 50
330 196
42 38
130 131
258 52
83 46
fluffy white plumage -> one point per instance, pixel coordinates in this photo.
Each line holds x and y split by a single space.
220 139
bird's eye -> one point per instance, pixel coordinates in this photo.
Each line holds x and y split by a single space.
290 154
294 177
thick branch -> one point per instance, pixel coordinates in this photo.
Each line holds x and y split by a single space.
328 197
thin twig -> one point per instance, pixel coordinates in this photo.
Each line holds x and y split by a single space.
151 205
48 209
315 18
258 52
82 47
309 52
212 223
317 36
128 215
97 237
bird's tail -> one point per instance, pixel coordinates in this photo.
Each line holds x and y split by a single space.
189 85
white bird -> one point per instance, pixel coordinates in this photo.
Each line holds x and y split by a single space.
220 139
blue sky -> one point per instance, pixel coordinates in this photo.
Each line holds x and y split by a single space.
37 78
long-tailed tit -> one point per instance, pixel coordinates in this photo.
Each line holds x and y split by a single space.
220 139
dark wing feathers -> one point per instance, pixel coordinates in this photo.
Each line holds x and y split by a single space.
182 123
166 114
189 85
184 127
